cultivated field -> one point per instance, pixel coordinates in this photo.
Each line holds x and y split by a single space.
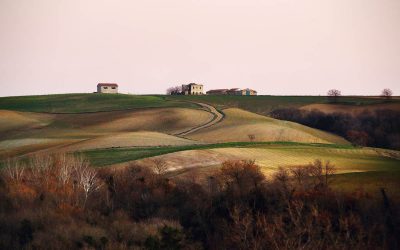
27 132
239 124
129 139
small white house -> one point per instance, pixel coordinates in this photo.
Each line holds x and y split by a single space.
110 88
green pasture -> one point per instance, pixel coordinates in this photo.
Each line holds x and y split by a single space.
79 103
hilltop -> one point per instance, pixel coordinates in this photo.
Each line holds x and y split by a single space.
81 103
94 102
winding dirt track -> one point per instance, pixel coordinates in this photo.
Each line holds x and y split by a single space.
218 116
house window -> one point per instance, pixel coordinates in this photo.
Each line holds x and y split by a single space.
105 87
113 87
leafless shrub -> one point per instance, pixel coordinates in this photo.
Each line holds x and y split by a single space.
41 168
241 229
160 166
240 176
321 172
252 137
65 168
300 174
316 175
14 170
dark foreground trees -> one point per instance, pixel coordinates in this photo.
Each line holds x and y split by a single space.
236 207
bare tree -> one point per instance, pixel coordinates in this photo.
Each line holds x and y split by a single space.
241 228
88 182
387 94
252 137
160 166
334 94
176 90
329 171
14 170
321 172
300 174
240 176
41 168
85 178
65 168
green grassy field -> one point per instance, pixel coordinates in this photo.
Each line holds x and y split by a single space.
276 153
369 182
77 103
104 157
265 104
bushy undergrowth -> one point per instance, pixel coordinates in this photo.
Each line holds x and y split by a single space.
61 203
379 128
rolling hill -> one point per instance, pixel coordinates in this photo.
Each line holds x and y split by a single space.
239 124
25 132
114 130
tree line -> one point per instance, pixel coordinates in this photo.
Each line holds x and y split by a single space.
60 202
378 128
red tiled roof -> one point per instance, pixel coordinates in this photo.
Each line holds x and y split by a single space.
108 84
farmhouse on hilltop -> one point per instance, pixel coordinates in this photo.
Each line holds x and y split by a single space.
192 89
235 91
110 88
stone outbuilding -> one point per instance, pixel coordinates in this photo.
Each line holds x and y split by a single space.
217 92
109 88
237 91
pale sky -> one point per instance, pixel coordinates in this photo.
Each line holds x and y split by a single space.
278 47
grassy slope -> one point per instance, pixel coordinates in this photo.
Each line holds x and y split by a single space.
239 123
104 157
76 103
370 182
280 153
